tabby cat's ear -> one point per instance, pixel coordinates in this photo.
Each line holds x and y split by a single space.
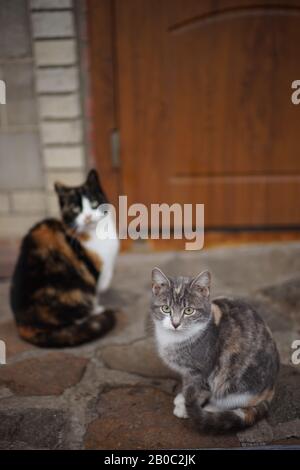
160 281
201 283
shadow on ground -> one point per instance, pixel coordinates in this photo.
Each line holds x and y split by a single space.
115 393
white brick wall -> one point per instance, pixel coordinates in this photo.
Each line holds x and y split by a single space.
28 201
59 100
50 4
4 203
60 117
67 132
56 106
55 52
64 157
69 178
52 204
53 24
57 80
16 225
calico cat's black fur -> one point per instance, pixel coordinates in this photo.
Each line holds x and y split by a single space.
53 290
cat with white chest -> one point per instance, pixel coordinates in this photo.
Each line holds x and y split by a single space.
222 349
62 269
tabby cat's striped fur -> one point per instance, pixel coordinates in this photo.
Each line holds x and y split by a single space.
222 349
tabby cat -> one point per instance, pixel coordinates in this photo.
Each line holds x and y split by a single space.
222 349
62 268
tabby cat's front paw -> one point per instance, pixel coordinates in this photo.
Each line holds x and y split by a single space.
179 408
179 399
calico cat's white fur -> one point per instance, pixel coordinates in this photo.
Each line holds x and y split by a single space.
107 248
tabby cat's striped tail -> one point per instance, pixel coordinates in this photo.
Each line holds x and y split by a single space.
223 420
91 328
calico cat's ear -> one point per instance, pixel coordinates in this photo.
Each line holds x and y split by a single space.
92 178
201 283
59 188
159 281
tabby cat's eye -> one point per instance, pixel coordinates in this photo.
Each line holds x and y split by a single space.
188 311
94 204
166 309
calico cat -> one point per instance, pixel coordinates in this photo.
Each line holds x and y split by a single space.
61 269
222 349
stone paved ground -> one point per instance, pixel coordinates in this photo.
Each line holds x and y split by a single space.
115 393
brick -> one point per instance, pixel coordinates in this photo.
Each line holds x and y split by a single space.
52 204
50 4
14 27
55 52
9 250
17 225
53 24
64 157
4 203
58 106
69 178
57 80
62 132
14 344
139 417
20 162
131 358
33 428
20 100
45 375
28 201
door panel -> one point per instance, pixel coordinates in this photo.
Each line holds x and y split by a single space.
205 109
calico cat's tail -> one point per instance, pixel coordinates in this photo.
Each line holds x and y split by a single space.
223 420
93 327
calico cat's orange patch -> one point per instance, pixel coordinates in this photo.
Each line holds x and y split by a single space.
41 293
74 297
27 332
71 297
48 240
83 237
46 315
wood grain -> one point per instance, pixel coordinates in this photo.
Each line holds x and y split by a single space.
205 111
100 23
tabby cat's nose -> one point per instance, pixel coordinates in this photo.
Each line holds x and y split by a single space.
175 324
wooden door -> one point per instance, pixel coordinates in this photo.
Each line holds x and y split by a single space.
205 111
